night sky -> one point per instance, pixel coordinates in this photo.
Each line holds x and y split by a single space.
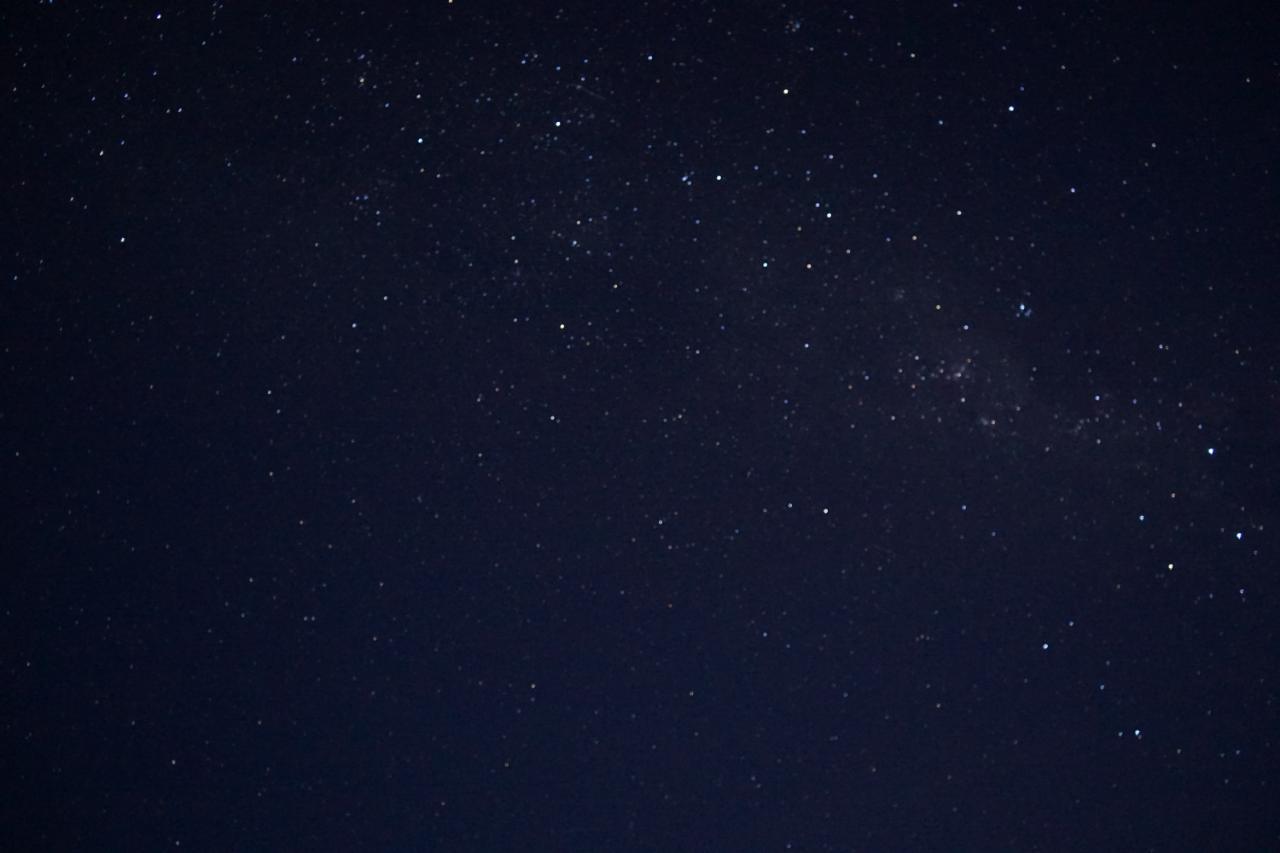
470 426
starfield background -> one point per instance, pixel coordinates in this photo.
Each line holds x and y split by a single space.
461 426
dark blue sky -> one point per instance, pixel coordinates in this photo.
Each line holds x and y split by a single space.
688 427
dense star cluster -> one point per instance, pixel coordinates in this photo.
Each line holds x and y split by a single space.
475 426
